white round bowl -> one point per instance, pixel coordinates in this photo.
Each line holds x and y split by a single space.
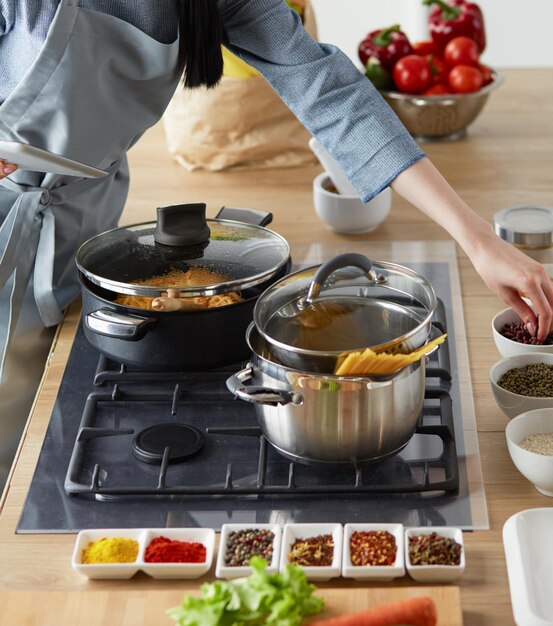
509 347
537 468
513 404
347 214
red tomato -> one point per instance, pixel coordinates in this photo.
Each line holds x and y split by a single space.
486 73
422 48
461 51
436 90
465 79
412 74
438 68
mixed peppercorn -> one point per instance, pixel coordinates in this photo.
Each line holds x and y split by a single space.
243 544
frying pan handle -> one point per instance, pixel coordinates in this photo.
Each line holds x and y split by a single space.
329 267
259 395
111 324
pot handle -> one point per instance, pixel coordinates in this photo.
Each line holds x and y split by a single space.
259 395
329 267
248 216
111 324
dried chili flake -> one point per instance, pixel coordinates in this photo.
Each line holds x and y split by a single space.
374 547
317 551
163 550
433 549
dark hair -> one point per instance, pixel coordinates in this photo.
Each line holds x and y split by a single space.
201 34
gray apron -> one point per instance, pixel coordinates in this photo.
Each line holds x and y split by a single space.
96 85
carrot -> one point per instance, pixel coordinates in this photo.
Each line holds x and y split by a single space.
412 612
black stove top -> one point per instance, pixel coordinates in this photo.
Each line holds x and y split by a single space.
102 464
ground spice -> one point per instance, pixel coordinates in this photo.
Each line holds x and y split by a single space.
374 547
540 444
433 549
317 551
243 544
535 380
112 550
164 550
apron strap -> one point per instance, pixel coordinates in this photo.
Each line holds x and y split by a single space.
70 3
27 245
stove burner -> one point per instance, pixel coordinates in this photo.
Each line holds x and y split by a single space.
183 442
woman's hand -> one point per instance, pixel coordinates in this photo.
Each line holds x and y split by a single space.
507 271
6 169
510 274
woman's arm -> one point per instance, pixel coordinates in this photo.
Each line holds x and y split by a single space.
505 270
325 91
338 105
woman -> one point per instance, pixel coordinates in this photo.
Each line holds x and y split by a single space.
85 78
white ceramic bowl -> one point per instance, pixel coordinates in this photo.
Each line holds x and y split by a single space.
292 532
529 556
537 468
144 536
513 404
347 214
381 573
222 570
508 347
435 573
107 570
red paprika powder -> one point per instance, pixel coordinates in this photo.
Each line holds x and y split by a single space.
164 550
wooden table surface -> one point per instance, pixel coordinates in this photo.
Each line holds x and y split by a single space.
506 159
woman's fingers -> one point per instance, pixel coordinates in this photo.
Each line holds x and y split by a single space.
6 168
538 288
524 311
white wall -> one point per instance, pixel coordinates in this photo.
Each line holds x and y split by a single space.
518 31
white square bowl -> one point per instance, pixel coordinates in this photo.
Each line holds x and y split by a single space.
435 573
107 570
223 570
205 536
381 573
292 532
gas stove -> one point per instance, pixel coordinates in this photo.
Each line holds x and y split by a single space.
131 448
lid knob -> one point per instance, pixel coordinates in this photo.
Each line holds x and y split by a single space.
182 225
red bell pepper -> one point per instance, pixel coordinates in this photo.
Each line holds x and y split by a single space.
453 19
386 45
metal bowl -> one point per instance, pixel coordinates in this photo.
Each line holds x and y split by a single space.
440 117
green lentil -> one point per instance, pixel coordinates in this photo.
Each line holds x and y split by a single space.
535 380
243 544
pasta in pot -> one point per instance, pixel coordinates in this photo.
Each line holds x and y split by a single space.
195 276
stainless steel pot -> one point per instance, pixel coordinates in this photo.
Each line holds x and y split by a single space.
313 317
318 418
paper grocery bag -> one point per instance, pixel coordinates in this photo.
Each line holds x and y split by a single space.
241 124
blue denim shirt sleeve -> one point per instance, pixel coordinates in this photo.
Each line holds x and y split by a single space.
327 93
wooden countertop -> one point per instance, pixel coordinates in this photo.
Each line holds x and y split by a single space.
506 159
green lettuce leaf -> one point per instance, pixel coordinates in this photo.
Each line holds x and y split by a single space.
261 598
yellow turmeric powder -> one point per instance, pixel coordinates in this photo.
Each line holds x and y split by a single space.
113 550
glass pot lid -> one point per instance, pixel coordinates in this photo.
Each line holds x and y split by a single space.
348 303
184 253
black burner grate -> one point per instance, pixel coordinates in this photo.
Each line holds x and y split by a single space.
237 461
